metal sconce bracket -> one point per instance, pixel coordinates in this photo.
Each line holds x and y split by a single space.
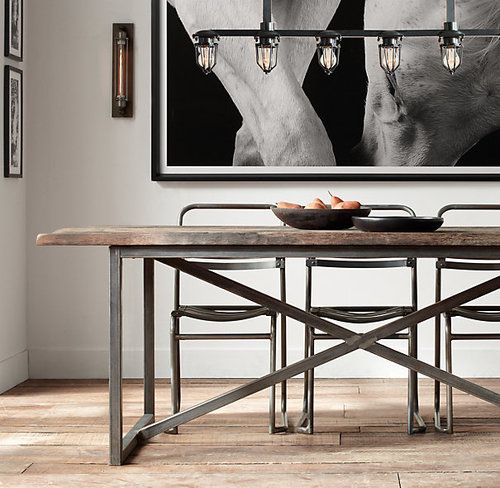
123 71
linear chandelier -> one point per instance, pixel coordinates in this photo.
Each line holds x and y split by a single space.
267 40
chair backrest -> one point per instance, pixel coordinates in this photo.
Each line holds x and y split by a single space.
468 206
468 265
407 262
232 264
390 207
228 264
360 263
222 206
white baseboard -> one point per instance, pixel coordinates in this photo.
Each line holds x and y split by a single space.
13 370
241 363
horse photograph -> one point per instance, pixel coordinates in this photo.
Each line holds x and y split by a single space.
421 118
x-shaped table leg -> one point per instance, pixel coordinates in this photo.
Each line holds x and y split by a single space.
352 342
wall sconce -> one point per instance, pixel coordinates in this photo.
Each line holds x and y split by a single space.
123 70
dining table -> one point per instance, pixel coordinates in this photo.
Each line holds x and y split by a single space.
174 246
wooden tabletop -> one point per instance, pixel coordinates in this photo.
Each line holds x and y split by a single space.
473 237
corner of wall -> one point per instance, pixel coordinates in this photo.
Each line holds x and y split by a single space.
13 276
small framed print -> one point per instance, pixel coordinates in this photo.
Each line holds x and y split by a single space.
13 123
14 29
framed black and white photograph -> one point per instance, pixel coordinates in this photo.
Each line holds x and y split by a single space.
13 123
365 105
14 29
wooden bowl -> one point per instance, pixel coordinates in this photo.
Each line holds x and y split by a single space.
319 219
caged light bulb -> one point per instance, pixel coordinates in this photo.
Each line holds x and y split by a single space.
328 50
266 51
206 43
390 52
450 41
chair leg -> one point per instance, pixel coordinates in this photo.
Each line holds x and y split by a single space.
437 356
175 375
411 388
284 351
437 384
284 390
449 389
413 407
310 392
303 425
272 367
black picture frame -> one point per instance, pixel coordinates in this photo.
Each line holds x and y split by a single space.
157 141
10 24
13 145
155 91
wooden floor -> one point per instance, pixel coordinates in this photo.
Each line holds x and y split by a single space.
54 433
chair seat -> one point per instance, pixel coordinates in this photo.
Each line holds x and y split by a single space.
485 313
222 313
361 315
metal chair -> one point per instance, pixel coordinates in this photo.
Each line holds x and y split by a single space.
481 313
362 315
230 313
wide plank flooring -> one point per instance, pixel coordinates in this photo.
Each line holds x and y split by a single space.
54 433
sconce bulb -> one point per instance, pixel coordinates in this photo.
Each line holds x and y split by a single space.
122 90
390 52
328 50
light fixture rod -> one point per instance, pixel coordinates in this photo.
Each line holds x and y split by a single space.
450 11
267 11
355 34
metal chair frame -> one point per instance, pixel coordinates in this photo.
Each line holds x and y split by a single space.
486 313
230 313
362 315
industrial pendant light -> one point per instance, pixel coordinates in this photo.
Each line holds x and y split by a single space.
267 40
206 50
450 41
266 48
328 49
389 50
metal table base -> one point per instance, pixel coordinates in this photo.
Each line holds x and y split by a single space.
147 427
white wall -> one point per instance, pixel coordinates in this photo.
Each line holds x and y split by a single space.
13 342
90 169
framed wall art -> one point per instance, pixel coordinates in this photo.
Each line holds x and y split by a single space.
14 29
329 89
13 122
